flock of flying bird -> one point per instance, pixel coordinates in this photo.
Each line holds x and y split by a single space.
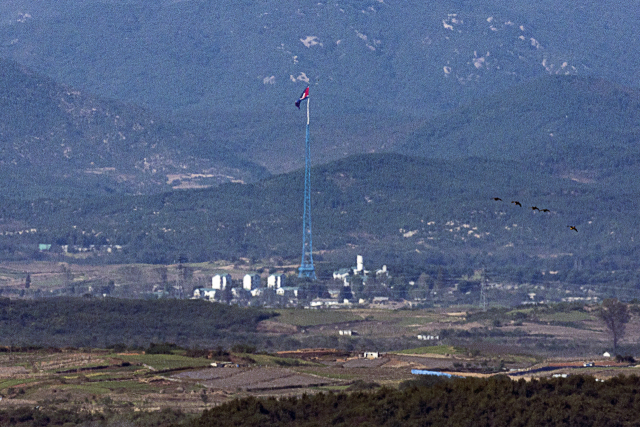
534 208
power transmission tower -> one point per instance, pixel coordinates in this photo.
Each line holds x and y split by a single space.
306 266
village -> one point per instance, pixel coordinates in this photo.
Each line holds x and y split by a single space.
252 290
357 286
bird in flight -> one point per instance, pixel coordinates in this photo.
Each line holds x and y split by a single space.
571 227
517 203
546 210
534 208
497 199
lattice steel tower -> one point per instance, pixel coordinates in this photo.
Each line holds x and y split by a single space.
306 266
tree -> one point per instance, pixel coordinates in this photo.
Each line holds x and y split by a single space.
345 294
615 315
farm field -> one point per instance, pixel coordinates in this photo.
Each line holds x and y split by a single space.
100 380
545 331
104 381
522 343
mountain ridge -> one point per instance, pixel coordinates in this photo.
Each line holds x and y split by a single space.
79 141
566 123
388 207
406 57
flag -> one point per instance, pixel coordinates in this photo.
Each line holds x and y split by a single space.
305 95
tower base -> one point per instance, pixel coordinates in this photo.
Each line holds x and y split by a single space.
307 271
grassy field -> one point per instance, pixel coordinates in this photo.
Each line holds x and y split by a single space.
268 360
97 380
161 362
305 318
571 316
402 318
434 349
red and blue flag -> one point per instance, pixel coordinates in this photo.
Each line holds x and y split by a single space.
305 95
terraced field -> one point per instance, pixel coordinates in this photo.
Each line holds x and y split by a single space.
470 343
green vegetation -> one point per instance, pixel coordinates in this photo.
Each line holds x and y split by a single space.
434 245
576 400
34 417
269 360
80 322
161 362
564 317
558 313
303 318
434 349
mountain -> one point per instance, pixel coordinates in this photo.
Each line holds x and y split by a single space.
55 140
408 55
237 67
406 212
582 128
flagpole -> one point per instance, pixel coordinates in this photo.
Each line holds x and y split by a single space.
306 266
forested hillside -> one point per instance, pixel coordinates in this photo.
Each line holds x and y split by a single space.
496 401
408 55
59 141
374 67
392 209
583 128
82 322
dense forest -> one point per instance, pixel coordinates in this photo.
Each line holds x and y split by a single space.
89 322
139 323
26 416
495 401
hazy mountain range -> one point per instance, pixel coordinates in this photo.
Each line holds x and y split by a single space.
585 129
421 114
55 140
374 55
377 68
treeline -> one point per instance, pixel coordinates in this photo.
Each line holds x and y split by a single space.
496 401
82 322
29 416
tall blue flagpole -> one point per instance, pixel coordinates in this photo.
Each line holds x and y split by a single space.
306 266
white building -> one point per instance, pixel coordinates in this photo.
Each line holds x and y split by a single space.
251 281
428 337
288 291
324 302
204 293
342 274
359 264
276 281
257 292
383 270
221 281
